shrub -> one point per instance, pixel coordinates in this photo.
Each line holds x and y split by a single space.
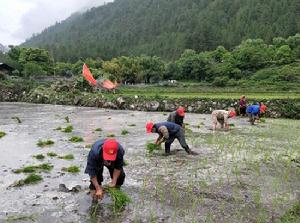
220 81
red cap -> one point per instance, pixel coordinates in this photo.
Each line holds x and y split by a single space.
180 111
263 108
232 114
110 149
149 127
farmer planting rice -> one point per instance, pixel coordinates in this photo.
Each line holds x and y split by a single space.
243 105
253 112
177 116
109 153
168 132
222 116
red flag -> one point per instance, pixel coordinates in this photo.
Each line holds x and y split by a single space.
88 75
109 85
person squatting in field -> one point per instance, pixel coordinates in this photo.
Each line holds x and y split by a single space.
253 112
177 116
221 117
108 153
168 132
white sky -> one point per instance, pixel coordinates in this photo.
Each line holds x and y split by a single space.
19 19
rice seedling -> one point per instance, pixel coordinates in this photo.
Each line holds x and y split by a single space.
22 218
262 120
88 146
132 125
125 163
98 130
231 125
68 129
67 157
51 154
76 139
42 143
151 147
120 198
67 119
2 134
39 156
58 128
111 135
17 119
71 169
124 132
45 167
32 179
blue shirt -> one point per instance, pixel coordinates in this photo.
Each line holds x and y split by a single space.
253 109
95 159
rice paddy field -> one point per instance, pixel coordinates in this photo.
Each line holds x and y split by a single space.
246 174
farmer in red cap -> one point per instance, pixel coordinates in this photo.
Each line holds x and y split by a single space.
177 117
168 132
109 153
222 116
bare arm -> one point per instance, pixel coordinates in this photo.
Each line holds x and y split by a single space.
99 189
164 135
116 175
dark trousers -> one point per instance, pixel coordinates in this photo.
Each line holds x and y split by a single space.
243 111
120 180
252 117
180 136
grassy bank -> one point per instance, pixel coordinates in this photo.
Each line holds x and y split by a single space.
194 90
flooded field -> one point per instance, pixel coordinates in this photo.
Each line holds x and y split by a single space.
247 174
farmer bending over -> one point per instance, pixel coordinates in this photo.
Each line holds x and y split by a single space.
168 132
222 116
253 112
109 153
177 117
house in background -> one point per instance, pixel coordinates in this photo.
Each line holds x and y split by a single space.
5 69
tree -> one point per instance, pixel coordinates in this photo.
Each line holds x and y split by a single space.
284 55
252 54
152 68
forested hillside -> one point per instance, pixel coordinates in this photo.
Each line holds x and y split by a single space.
166 27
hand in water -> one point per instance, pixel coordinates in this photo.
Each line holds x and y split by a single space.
98 194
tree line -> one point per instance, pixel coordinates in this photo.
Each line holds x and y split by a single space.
252 60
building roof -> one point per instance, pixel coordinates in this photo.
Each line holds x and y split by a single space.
5 66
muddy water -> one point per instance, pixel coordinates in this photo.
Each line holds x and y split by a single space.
244 175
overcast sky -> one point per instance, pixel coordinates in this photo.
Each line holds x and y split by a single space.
19 19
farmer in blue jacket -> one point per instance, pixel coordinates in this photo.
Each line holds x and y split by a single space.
168 132
253 112
109 153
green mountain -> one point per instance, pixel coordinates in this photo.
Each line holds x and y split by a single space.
166 27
